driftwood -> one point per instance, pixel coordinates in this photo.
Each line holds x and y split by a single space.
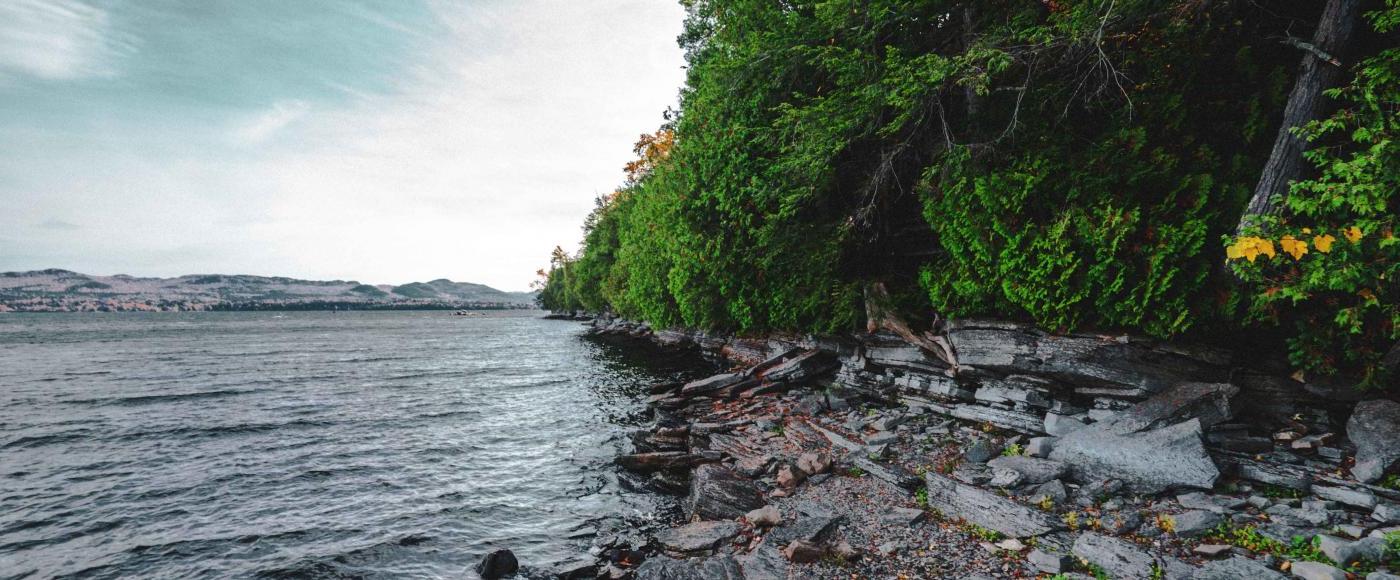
879 317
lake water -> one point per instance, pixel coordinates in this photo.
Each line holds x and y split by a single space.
366 444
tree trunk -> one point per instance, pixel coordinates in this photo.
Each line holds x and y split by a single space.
1305 104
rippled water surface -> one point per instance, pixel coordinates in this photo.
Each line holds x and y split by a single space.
383 444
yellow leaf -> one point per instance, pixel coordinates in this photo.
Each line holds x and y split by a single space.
1266 247
1307 230
1353 234
1293 246
1323 243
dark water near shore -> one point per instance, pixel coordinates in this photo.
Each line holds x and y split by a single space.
245 444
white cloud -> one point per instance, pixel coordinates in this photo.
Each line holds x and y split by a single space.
263 125
58 40
485 153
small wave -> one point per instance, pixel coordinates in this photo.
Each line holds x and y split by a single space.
31 441
170 398
225 430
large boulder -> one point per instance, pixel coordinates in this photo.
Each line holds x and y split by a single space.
987 509
1147 462
1374 428
1155 445
718 493
697 538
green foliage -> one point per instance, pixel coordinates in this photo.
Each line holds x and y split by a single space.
1069 163
921 497
1013 450
1249 538
1339 290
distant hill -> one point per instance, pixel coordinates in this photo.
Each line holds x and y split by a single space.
64 290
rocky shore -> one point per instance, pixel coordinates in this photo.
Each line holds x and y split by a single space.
1004 452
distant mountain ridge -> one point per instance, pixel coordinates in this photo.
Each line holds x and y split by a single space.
65 290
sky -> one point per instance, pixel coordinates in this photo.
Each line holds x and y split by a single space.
381 141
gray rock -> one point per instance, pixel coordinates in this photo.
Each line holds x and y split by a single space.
1147 462
981 451
1236 568
1338 549
1200 501
987 509
1118 558
1212 550
718 493
712 384
1126 367
716 568
1360 498
577 569
698 537
1374 427
1386 513
806 528
497 564
1382 576
1049 563
765 563
1122 522
1316 571
1196 523
1005 478
1054 490
903 517
1040 447
1259 501
1369 549
891 474
1207 402
1059 425
1032 470
881 438
889 423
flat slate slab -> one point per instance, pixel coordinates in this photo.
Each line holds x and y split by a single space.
1147 462
1119 558
987 509
697 537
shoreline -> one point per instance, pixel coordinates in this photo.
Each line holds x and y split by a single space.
1034 455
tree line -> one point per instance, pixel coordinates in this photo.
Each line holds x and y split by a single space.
1214 170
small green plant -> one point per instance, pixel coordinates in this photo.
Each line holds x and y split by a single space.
1158 572
1279 492
984 534
1391 482
1013 450
1096 570
777 429
1071 519
921 497
1392 545
855 472
1166 522
1249 538
1046 503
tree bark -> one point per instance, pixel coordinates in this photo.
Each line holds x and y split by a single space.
1305 103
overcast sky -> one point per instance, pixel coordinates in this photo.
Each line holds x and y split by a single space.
382 141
